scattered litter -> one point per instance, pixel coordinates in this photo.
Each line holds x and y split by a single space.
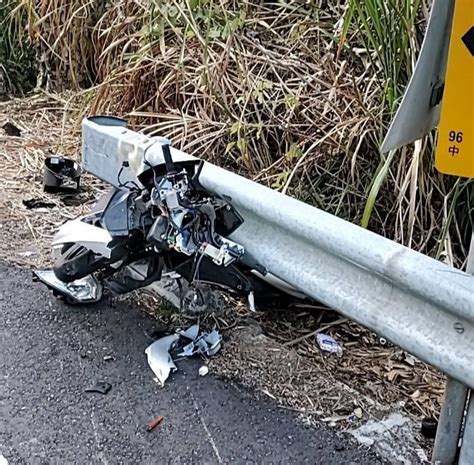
358 412
213 339
11 130
159 359
154 423
429 426
268 394
3 460
411 360
188 350
61 175
38 203
328 344
394 437
422 455
251 300
107 358
203 371
28 253
102 387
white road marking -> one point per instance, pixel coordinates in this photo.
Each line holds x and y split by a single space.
206 429
100 454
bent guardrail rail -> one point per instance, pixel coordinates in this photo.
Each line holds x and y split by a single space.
416 302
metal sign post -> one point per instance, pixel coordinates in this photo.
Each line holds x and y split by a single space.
450 421
466 456
452 414
443 83
455 155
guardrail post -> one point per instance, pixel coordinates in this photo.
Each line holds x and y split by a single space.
452 414
450 421
466 455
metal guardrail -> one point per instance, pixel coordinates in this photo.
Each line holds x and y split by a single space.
418 303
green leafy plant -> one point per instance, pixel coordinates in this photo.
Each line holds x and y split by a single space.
17 59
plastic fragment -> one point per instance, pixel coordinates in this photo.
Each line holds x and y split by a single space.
203 371
188 350
159 359
204 344
191 333
102 387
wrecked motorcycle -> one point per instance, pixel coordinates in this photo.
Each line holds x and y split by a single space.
157 219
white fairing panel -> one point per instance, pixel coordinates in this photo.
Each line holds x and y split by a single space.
87 235
105 148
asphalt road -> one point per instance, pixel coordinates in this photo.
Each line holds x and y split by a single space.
50 353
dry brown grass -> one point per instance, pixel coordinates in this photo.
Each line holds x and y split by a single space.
25 234
268 89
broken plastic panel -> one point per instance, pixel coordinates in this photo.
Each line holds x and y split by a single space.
159 359
191 333
158 353
82 291
207 344
213 340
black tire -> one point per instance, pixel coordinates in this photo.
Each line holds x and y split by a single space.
76 262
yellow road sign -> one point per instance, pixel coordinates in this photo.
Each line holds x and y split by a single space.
455 150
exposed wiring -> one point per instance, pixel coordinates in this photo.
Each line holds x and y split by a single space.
125 164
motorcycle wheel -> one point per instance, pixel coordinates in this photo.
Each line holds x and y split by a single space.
76 262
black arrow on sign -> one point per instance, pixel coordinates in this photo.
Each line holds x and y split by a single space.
468 39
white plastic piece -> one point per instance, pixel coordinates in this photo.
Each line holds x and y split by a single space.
251 299
87 235
159 359
191 333
203 371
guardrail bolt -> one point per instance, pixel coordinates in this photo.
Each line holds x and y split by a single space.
458 327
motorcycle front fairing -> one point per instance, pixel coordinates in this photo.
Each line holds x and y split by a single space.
83 233
121 214
110 218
